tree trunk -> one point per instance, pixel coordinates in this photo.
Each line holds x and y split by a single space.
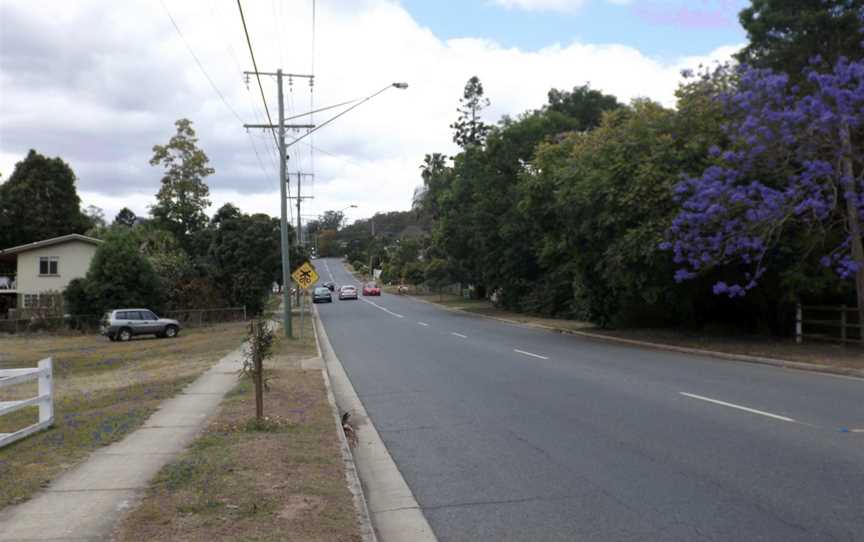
259 389
855 232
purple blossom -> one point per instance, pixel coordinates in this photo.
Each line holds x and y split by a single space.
779 169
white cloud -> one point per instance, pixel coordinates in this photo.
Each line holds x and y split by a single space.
560 6
99 83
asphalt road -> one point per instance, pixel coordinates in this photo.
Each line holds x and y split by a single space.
509 433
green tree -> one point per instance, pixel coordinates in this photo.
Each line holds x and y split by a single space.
39 201
437 274
331 220
469 129
183 196
785 35
125 218
246 259
227 212
119 276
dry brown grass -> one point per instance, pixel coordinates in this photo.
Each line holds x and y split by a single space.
103 391
282 480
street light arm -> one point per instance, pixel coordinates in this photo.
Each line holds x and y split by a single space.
321 109
358 104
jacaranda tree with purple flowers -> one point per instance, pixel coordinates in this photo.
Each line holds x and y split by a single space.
794 167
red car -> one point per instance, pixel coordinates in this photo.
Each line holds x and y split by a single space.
371 289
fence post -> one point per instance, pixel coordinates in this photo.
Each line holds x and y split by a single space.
46 391
244 313
798 323
843 322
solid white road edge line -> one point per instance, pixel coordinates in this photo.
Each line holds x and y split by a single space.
739 407
530 354
376 305
396 515
458 335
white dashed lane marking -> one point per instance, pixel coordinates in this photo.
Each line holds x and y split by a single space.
424 324
458 335
530 354
738 407
388 311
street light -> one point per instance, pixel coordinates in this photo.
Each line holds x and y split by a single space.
399 85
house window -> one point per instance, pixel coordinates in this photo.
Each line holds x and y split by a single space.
31 301
48 265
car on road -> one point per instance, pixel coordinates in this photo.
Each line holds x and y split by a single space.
322 295
123 324
348 292
330 285
370 288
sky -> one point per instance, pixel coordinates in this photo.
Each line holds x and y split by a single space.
99 82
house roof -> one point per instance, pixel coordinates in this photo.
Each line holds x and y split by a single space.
49 242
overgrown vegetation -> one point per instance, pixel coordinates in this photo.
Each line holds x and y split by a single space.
624 214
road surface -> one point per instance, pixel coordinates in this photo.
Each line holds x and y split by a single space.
510 433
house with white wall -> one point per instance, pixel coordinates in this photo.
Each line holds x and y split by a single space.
33 276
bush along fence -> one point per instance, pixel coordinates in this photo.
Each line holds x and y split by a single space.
88 323
832 323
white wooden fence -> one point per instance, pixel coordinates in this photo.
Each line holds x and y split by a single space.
45 399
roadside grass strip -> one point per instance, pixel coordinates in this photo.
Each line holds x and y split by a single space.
738 407
530 354
280 479
103 391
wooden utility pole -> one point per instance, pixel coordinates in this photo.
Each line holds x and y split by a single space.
283 189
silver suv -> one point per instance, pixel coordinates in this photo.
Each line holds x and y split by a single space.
123 324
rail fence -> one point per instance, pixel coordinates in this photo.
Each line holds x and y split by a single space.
88 323
44 398
831 323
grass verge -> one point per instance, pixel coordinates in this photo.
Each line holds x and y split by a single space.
280 480
103 391
820 353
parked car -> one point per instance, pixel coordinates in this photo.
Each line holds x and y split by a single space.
348 292
370 288
330 285
322 295
123 324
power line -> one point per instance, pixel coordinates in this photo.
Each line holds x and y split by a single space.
257 76
210 80
260 86
197 61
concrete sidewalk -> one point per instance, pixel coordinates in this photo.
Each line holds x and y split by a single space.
85 503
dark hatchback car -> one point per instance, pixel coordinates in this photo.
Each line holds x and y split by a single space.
322 295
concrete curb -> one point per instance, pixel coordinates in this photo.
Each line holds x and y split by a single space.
785 364
395 513
367 531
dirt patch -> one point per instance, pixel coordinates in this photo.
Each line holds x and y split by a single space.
298 505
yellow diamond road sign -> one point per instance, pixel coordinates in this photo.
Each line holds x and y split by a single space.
305 276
